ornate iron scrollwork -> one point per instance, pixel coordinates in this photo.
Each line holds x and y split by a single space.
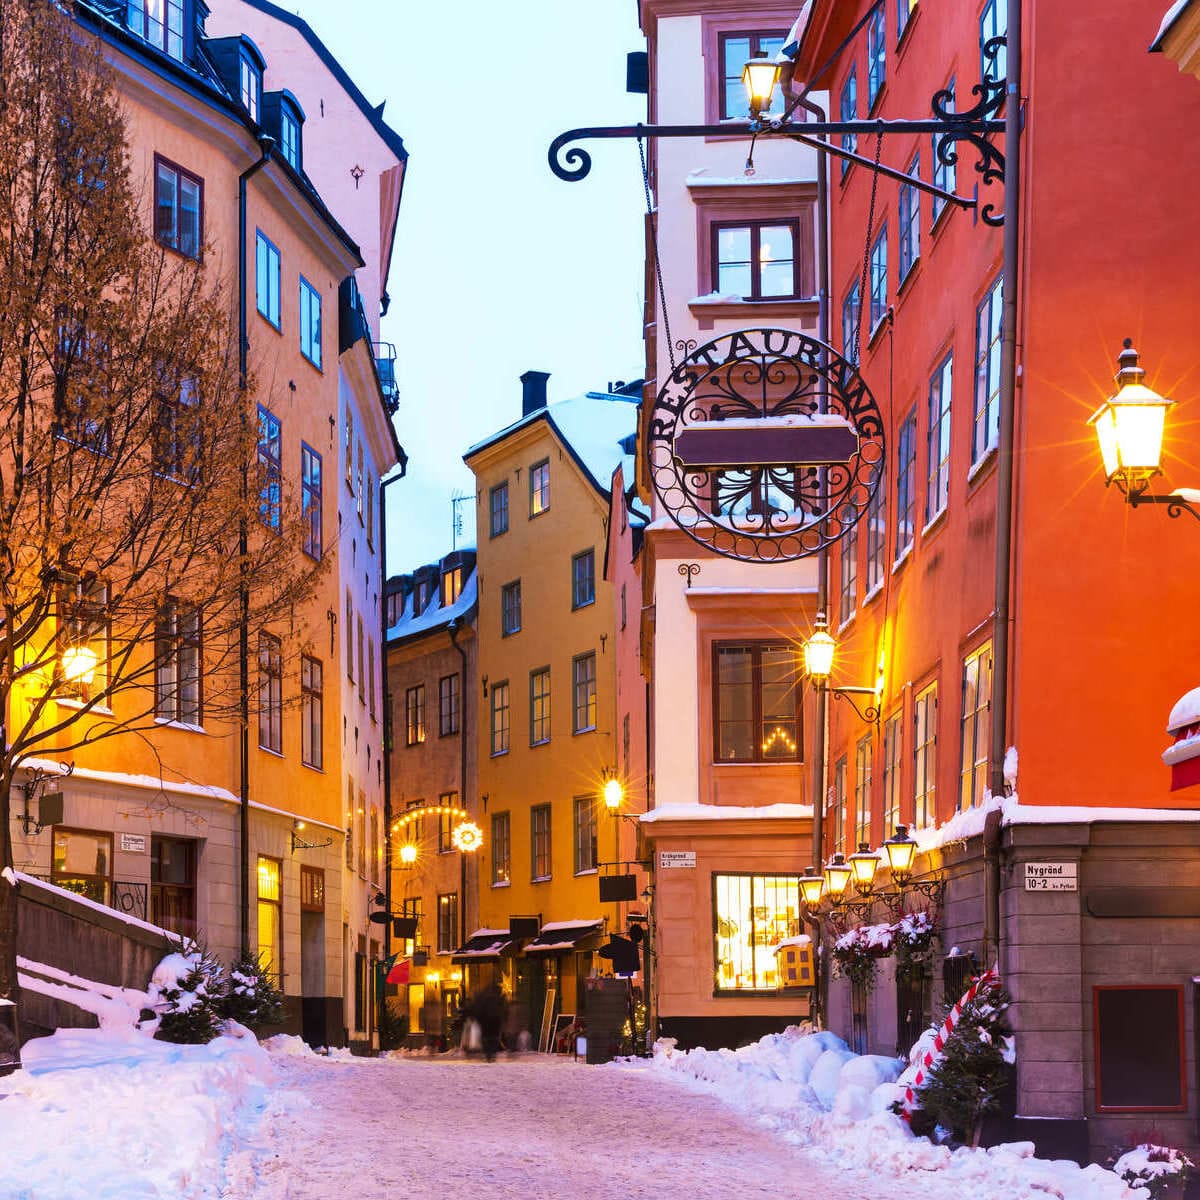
766 511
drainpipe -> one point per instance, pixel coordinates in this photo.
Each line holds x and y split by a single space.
820 699
1004 470
453 629
266 146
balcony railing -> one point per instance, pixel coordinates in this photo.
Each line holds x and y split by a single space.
129 897
385 364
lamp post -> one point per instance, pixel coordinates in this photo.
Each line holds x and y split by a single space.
1129 429
819 653
759 77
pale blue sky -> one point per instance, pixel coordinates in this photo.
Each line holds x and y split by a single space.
499 267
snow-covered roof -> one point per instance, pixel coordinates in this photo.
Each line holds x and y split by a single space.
1169 18
726 812
435 615
591 426
1186 711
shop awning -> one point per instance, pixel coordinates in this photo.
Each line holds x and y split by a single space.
559 937
484 945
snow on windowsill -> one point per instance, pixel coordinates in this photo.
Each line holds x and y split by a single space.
726 812
985 461
700 178
1182 750
99 710
931 525
902 557
186 726
1169 20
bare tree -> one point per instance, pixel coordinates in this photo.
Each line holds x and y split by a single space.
135 513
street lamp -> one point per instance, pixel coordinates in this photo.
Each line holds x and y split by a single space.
901 852
79 663
818 652
612 791
1129 429
759 77
837 877
408 855
863 865
812 888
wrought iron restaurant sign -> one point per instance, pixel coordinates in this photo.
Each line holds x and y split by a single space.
765 445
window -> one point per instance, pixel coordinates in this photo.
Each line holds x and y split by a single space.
848 591
910 221
925 756
177 436
500 718
452 585
270 469
498 509
447 927
756 703
879 282
986 432
310 323
1141 1060
413 908
312 889
448 705
178 667
360 489
83 361
350 636
414 715
501 849
753 914
583 691
993 22
178 208
862 791
289 136
270 693
159 22
876 522
756 260
82 863
173 884
539 830
837 825
851 315
904 12
976 726
266 278
83 620
876 56
539 707
848 111
310 489
312 707
510 608
539 488
943 172
906 483
583 579
623 612
736 48
937 489
371 678
270 917
362 675
586 856
350 449
891 775
445 839
369 519
250 79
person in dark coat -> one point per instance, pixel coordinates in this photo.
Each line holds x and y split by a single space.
489 1009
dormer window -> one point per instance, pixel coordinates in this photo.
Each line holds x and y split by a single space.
289 136
159 22
250 76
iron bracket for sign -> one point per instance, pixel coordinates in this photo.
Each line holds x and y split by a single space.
948 127
868 712
1176 504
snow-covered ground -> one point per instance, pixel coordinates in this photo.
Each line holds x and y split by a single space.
114 1115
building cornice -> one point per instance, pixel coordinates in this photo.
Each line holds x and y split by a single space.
651 11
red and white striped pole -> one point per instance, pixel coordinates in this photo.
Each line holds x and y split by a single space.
989 977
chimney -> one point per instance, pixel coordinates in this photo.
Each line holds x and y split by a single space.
533 391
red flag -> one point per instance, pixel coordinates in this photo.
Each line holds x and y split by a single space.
399 971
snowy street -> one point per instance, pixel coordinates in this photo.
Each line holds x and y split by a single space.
530 1127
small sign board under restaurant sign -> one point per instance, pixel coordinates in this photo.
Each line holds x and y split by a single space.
1051 877
676 858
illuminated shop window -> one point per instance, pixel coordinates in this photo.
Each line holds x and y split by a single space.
753 914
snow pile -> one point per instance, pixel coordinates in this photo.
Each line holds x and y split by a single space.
1147 1164
113 1007
817 1093
147 1118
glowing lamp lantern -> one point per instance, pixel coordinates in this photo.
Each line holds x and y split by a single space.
901 852
863 865
818 654
408 854
467 837
837 877
79 663
613 793
812 888
759 77
1129 426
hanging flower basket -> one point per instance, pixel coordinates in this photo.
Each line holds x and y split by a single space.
857 952
914 936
